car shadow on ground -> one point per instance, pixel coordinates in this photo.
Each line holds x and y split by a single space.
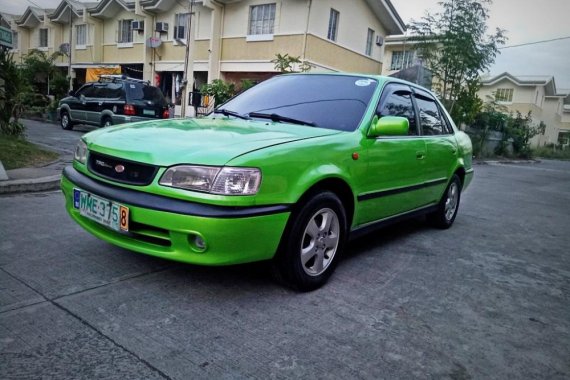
259 275
385 236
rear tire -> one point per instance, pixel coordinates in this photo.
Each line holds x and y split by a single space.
106 121
312 244
448 206
65 121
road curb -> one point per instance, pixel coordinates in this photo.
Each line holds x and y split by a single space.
30 185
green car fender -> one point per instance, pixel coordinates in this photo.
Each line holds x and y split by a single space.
290 171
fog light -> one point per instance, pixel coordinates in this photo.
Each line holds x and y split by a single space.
197 242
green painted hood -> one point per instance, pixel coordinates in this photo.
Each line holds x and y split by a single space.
210 141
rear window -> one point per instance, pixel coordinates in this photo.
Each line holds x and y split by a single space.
140 93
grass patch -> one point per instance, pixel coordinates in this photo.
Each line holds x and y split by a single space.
556 154
18 153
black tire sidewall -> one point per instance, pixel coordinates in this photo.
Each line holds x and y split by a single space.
104 120
438 218
69 123
288 258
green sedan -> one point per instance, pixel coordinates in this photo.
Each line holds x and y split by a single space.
287 171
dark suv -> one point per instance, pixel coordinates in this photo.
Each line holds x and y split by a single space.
114 99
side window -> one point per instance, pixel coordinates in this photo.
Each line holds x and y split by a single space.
114 90
430 117
399 103
86 91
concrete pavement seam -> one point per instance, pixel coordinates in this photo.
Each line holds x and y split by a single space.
87 324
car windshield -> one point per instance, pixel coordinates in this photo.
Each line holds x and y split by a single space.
325 101
142 93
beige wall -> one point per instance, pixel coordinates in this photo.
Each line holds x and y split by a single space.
355 17
110 27
113 54
524 95
290 17
330 55
234 49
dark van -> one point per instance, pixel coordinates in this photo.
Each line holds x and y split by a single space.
114 99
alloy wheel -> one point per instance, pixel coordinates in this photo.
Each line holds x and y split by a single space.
320 241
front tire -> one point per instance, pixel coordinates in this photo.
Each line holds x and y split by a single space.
448 206
311 247
106 122
65 121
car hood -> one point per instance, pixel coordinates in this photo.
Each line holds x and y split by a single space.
209 141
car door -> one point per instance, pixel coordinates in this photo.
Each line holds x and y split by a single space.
441 146
77 104
94 104
396 164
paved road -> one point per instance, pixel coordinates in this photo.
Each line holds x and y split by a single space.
53 137
488 298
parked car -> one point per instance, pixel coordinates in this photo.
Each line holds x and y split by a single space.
287 171
114 99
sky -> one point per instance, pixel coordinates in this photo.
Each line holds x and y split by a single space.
525 21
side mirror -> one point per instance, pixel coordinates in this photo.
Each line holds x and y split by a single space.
389 126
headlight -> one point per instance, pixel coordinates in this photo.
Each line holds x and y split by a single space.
81 152
215 180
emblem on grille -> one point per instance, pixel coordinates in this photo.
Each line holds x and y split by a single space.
103 164
119 168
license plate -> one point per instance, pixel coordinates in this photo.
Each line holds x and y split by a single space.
108 213
148 112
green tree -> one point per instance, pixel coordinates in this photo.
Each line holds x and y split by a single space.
13 90
220 90
41 72
456 47
285 63
520 129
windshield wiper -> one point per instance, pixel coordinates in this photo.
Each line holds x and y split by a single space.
277 118
226 112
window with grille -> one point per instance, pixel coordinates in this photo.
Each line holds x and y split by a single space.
402 60
261 19
333 25
81 35
125 31
504 95
43 38
181 25
369 41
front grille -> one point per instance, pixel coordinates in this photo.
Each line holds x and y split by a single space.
117 169
149 234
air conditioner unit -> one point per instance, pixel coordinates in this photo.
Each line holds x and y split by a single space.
379 40
162 27
137 25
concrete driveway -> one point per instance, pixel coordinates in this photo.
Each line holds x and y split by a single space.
487 299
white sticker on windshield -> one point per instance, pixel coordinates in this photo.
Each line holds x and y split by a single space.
363 82
133 86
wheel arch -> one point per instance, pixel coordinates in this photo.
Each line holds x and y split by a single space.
338 186
460 171
65 108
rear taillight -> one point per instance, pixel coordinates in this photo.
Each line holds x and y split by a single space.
165 114
129 109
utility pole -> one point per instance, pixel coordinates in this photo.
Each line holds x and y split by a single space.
188 65
70 49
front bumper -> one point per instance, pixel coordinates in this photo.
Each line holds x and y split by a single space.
166 227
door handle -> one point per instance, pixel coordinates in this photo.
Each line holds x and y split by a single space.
420 155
